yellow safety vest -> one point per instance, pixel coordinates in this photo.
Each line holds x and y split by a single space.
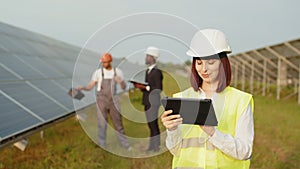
198 153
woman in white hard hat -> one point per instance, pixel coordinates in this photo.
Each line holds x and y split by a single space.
229 145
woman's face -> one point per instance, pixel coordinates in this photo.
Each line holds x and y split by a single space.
208 70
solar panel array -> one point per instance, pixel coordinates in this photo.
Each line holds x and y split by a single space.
276 65
35 76
36 73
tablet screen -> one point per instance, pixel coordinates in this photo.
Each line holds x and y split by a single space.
193 111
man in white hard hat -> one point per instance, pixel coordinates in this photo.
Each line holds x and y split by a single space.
151 96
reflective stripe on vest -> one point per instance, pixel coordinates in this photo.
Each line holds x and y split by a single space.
197 142
196 152
188 168
191 168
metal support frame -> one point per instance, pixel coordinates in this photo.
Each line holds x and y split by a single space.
265 58
299 86
259 64
252 76
243 76
244 63
278 79
264 78
247 64
259 68
283 58
298 52
268 85
295 82
240 64
236 67
292 47
257 84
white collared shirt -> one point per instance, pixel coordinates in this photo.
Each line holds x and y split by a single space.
151 67
108 74
149 70
239 146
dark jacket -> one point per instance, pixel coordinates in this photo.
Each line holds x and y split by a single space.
154 80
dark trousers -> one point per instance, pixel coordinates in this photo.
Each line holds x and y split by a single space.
151 115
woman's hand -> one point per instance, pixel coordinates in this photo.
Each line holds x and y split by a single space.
210 130
171 122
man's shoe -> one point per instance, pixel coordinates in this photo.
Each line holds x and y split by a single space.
156 149
129 148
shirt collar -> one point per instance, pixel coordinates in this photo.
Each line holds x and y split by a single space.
151 67
203 95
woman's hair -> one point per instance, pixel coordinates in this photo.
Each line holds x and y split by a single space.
224 74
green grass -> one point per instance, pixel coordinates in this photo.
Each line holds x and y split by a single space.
277 133
66 145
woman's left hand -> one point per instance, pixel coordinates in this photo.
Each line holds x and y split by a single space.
210 130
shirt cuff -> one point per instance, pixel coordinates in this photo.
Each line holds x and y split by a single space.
174 133
173 138
217 138
148 88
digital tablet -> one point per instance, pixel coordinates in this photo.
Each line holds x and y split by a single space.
138 82
76 94
193 111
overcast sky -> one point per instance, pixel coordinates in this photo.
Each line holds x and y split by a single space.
247 24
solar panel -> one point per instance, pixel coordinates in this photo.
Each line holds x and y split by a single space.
14 118
41 66
19 46
5 75
17 66
55 91
6 43
36 73
35 100
35 76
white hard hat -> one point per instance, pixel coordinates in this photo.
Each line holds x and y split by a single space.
208 42
153 51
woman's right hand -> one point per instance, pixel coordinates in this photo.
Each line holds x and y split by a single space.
171 122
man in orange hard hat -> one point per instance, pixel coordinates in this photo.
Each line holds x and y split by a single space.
106 78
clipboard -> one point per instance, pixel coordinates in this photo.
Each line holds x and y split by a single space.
76 94
138 82
193 111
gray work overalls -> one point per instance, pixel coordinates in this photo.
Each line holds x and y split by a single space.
108 103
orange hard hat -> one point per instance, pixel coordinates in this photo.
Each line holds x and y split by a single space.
106 57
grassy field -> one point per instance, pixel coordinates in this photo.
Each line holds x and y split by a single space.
66 145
